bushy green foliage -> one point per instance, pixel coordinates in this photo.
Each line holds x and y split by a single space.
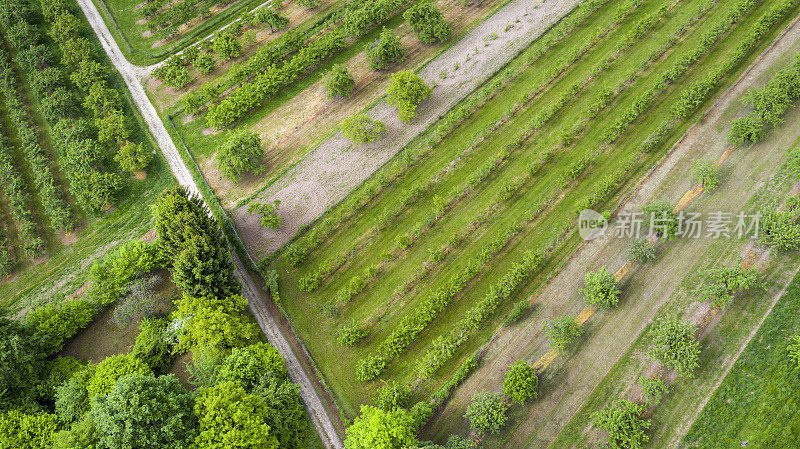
57 323
204 268
517 312
624 424
21 355
386 50
269 214
241 152
641 250
286 412
214 325
340 82
133 157
427 22
660 217
226 45
144 412
106 373
600 288
180 216
152 346
361 129
487 412
247 365
72 399
654 390
229 417
393 395
406 92
563 332
780 229
769 103
380 429
706 175
721 284
173 72
673 344
794 351
521 382
23 431
57 372
351 334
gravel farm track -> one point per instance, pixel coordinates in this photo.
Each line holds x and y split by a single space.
335 167
495 43
323 422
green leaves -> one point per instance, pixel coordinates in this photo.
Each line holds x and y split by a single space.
673 344
384 51
563 332
427 22
229 417
361 129
600 289
406 92
215 325
721 284
623 422
487 412
339 83
381 429
242 152
521 382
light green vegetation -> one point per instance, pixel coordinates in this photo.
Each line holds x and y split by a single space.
759 399
121 17
66 265
478 228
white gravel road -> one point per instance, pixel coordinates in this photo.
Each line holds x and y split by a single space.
335 167
316 409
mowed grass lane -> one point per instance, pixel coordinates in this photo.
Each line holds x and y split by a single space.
557 218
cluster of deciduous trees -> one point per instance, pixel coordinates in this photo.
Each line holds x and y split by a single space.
164 17
270 81
244 396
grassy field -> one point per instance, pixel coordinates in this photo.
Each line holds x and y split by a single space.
300 115
758 401
574 171
122 16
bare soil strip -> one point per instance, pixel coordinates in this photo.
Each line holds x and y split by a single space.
335 167
322 420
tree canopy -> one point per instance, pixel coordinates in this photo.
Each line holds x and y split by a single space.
381 429
385 50
361 129
340 82
241 152
215 325
600 288
487 412
563 332
145 412
673 344
427 22
229 417
521 382
406 92
623 422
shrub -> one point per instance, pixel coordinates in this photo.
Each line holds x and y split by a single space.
106 373
241 152
623 422
393 395
58 323
226 45
246 366
640 250
361 129
350 335
381 429
600 288
517 312
385 50
563 332
654 389
794 351
521 382
673 344
780 230
370 367
659 217
152 346
340 82
406 92
487 412
427 22
705 174
269 214
721 284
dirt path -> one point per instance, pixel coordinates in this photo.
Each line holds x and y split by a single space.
335 167
572 379
323 422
